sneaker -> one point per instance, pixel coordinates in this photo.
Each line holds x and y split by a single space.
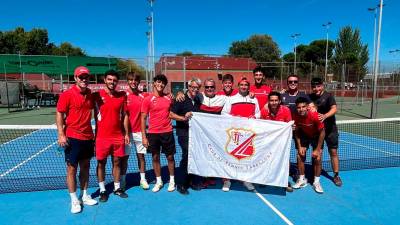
338 182
87 200
318 188
144 185
157 187
121 193
103 196
226 186
182 189
76 207
300 183
249 186
171 186
289 188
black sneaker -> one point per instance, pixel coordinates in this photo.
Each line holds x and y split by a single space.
338 182
103 196
121 193
182 189
289 188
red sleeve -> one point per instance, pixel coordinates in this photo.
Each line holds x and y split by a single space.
288 117
63 103
317 122
264 113
145 105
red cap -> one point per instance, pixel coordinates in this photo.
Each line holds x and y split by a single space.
244 79
81 70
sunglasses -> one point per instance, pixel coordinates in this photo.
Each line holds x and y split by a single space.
83 77
195 88
293 81
209 87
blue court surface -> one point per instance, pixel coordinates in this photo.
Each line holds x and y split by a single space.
367 197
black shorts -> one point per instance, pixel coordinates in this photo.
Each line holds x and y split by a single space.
78 150
307 141
166 141
332 137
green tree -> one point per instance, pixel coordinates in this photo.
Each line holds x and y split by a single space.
350 51
261 48
185 53
129 65
66 48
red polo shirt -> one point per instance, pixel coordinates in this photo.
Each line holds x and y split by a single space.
110 109
261 94
310 125
158 109
283 114
78 108
134 105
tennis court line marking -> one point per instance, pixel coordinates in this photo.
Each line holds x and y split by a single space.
366 137
16 139
364 146
27 160
269 204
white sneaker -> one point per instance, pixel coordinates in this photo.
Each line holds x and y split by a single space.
76 207
249 186
144 184
157 187
171 186
87 200
318 188
300 183
226 186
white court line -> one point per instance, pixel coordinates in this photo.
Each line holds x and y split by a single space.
283 217
27 160
364 146
368 137
16 139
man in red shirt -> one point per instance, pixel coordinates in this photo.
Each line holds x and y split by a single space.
309 130
157 107
111 132
260 89
75 135
276 112
134 104
227 86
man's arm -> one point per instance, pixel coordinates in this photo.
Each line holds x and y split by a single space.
143 118
126 128
177 117
62 139
330 113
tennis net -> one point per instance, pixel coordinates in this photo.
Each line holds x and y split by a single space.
30 159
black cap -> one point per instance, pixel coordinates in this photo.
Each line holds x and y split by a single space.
316 81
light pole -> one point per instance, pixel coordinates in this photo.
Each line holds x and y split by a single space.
374 9
396 74
150 33
294 36
376 62
326 25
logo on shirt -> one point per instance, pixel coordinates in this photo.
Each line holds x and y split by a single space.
240 143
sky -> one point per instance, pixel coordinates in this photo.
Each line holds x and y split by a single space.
117 28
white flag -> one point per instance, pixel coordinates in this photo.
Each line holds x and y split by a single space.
238 148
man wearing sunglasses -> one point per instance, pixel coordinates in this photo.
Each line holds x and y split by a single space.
290 95
181 112
75 135
325 104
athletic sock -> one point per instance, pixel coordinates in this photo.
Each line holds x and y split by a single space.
336 174
142 176
172 179
84 192
73 196
117 186
102 186
316 179
158 180
302 177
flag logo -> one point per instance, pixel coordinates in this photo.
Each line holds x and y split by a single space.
240 143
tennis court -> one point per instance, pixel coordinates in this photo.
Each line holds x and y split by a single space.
30 161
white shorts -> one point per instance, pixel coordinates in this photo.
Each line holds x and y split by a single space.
136 140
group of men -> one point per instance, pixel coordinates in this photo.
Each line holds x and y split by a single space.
132 119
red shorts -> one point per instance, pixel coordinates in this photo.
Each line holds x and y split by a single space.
106 147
